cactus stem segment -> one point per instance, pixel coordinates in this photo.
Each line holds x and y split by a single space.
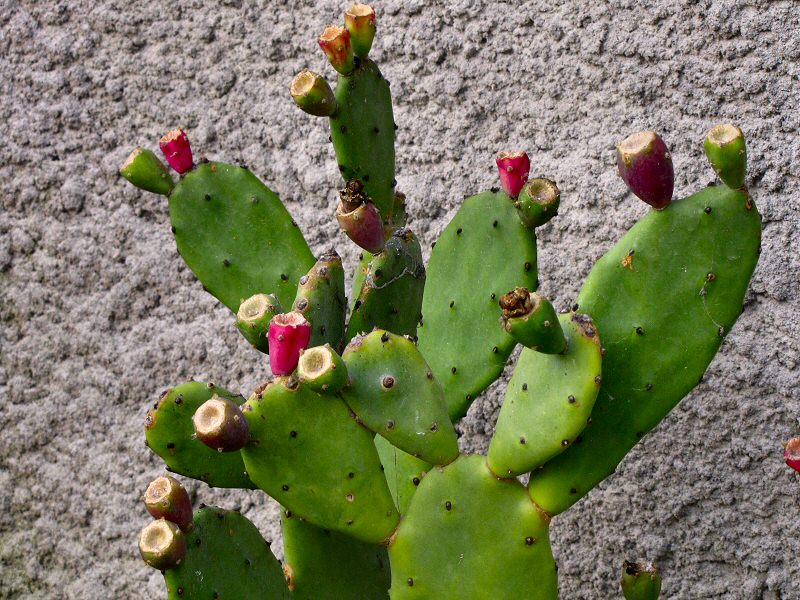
645 165
177 150
312 94
514 168
166 498
162 545
791 453
359 20
289 334
335 43
143 169
726 151
219 424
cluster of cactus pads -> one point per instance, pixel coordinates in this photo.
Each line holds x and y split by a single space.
354 435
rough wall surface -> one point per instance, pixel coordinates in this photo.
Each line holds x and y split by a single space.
98 314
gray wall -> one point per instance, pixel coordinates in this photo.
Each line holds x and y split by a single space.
99 314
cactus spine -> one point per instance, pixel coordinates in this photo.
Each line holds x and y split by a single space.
358 425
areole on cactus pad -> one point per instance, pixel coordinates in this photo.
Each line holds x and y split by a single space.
355 434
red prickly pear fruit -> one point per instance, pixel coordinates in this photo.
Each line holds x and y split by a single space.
360 22
166 498
289 334
359 218
162 545
335 43
645 165
177 150
514 168
791 453
220 424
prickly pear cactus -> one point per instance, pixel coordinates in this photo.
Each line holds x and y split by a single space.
358 441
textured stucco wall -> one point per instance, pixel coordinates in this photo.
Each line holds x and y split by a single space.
99 314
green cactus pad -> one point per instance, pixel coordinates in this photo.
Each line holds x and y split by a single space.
403 472
308 453
394 393
470 536
170 434
236 235
484 252
548 401
321 300
362 132
390 295
663 299
326 565
226 557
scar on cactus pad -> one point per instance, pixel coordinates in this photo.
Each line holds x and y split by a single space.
355 433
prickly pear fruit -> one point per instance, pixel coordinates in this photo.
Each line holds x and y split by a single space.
394 393
253 319
403 472
726 151
538 202
645 165
313 94
236 235
532 321
162 545
220 425
390 289
321 300
310 454
640 581
484 252
226 557
663 299
359 218
359 20
177 150
548 401
170 434
791 453
335 43
514 168
323 564
143 169
166 498
289 334
463 530
322 369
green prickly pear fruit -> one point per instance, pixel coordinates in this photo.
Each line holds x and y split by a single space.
322 369
548 401
726 151
359 218
335 43
170 434
166 498
532 321
312 94
394 393
308 452
514 168
177 150
469 535
162 545
253 319
640 581
220 425
359 20
538 202
143 169
645 165
321 300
